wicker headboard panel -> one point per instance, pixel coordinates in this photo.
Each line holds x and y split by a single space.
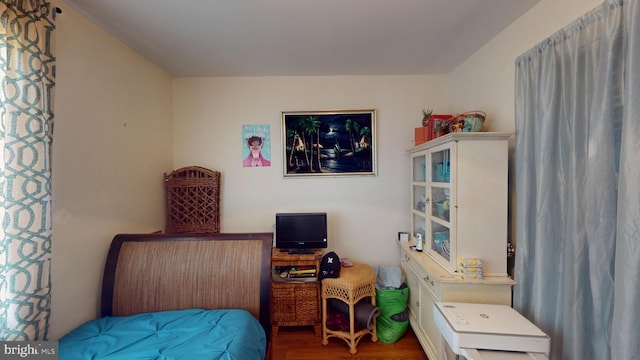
156 272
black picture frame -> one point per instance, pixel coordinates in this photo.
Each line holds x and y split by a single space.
329 143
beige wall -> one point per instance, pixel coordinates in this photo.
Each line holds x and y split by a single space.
365 213
492 89
121 123
112 143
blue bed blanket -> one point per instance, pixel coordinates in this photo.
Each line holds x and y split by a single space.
181 334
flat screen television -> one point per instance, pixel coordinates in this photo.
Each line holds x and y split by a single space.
301 232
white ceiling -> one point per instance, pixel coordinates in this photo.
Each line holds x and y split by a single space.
303 37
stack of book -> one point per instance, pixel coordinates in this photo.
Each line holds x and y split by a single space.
301 272
295 273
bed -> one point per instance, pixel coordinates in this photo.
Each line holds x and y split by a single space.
203 296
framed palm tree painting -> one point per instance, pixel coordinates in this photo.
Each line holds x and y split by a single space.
329 143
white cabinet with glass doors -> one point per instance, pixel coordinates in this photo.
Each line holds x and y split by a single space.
459 190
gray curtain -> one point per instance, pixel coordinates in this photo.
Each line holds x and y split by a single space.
577 159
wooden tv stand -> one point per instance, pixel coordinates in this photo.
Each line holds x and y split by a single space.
295 302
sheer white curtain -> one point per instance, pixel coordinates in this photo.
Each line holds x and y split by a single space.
577 156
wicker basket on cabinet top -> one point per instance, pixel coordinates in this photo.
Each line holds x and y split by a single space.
192 200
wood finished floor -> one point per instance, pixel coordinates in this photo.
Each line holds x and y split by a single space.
300 343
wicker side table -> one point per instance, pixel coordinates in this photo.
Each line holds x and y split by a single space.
354 284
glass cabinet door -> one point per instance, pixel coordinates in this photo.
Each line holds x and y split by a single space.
432 201
440 240
419 226
441 205
420 206
419 167
420 198
441 166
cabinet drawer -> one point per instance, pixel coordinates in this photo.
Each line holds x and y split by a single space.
414 295
283 304
295 302
428 280
283 312
306 294
307 303
283 293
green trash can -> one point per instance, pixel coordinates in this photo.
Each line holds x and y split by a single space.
393 321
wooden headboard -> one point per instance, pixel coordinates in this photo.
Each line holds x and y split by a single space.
157 272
